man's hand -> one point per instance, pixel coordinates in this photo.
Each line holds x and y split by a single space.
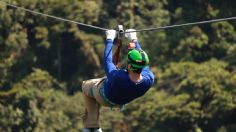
131 45
111 34
130 34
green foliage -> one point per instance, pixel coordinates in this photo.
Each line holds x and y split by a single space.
10 117
42 104
196 40
39 79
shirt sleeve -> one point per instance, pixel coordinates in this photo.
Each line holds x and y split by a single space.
137 45
110 68
147 72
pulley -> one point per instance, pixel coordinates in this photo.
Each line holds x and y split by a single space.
120 32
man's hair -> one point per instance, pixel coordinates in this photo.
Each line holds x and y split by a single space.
137 70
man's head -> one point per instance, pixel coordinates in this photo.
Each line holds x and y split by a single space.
137 60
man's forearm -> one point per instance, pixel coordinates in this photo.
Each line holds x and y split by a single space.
108 64
137 45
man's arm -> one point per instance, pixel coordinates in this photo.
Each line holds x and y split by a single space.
131 35
137 45
109 67
148 73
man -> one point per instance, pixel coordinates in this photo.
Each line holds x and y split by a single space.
120 86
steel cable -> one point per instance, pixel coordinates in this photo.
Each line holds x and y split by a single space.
185 24
51 16
104 29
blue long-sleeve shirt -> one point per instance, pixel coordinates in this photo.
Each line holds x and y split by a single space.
118 87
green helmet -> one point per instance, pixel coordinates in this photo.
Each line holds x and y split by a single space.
137 58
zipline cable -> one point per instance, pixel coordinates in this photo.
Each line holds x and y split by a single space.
51 16
104 29
186 24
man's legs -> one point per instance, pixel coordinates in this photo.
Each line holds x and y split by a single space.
91 119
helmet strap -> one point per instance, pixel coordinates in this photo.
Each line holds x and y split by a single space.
143 56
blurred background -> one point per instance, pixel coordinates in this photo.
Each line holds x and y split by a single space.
43 62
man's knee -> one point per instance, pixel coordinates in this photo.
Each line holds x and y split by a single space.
87 87
83 83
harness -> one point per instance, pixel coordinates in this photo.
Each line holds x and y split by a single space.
118 42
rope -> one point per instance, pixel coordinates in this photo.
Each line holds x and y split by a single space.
51 16
185 24
116 55
104 29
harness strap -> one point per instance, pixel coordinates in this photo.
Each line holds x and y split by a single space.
116 55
